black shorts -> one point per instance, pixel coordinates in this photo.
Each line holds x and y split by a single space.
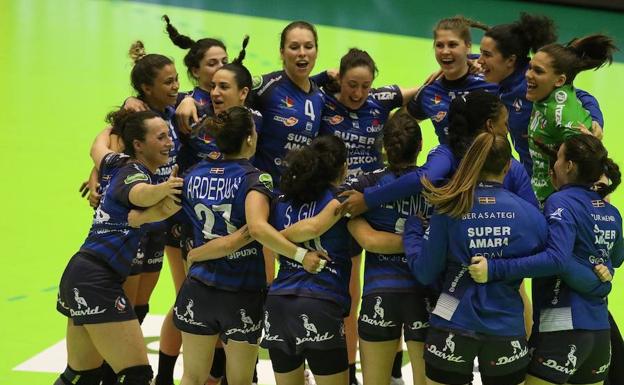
174 234
295 324
571 356
150 254
383 317
90 292
451 355
206 310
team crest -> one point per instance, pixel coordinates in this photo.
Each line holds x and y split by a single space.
266 180
437 99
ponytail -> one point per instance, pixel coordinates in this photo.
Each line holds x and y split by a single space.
589 52
489 154
197 49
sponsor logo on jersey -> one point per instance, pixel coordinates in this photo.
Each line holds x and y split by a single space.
385 95
256 82
487 200
557 214
217 170
214 155
136 178
561 96
439 116
375 112
288 122
287 102
334 120
517 104
266 180
437 99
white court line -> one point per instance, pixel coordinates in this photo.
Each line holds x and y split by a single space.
54 358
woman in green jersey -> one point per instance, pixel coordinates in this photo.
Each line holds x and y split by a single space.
557 113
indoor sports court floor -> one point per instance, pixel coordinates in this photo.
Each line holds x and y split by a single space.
63 65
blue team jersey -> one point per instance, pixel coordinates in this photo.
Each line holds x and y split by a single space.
332 283
111 239
583 231
512 92
439 167
164 172
108 167
500 225
434 100
213 200
292 118
200 145
389 273
361 129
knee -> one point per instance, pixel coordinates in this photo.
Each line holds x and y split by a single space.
135 375
79 377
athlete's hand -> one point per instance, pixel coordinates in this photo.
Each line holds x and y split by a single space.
603 273
332 73
135 105
474 67
314 261
90 190
353 206
173 185
478 269
134 218
597 130
186 114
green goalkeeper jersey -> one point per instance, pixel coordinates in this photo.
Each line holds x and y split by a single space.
553 120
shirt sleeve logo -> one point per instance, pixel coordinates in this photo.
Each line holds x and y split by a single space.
136 178
266 180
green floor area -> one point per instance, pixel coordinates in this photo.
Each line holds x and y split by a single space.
64 65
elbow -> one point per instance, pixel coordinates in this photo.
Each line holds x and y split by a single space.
255 230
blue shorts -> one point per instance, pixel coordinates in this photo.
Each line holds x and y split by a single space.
385 316
295 324
571 356
206 310
90 292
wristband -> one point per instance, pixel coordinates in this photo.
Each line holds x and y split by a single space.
301 252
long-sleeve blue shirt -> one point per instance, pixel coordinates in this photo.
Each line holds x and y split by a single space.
500 225
584 231
440 165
